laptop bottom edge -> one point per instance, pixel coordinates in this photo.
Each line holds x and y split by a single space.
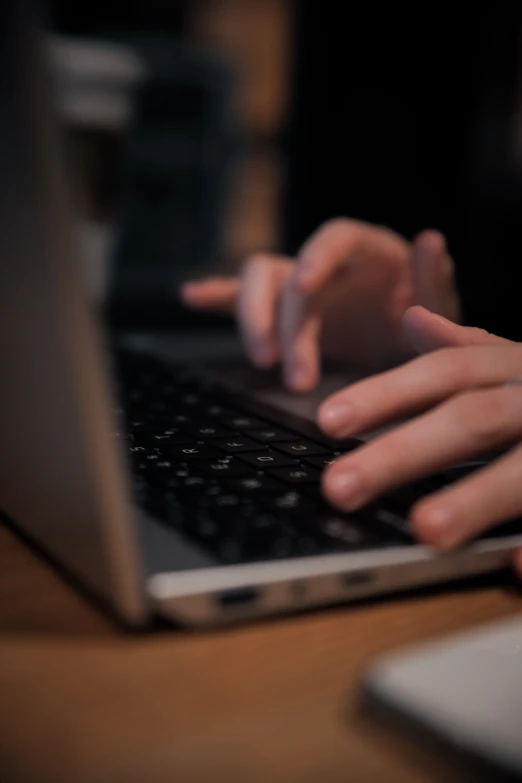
222 595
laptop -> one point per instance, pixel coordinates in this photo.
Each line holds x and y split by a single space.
167 488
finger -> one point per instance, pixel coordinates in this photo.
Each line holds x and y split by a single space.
262 280
485 498
417 385
428 331
219 294
338 242
299 327
434 275
463 427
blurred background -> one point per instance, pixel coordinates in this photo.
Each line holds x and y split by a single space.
206 130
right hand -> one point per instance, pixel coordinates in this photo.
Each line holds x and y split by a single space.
345 295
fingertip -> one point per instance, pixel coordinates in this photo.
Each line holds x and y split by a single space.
344 487
419 316
431 241
336 417
420 529
300 379
427 330
330 488
189 292
434 524
262 356
414 313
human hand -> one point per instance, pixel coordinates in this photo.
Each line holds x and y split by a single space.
344 296
467 404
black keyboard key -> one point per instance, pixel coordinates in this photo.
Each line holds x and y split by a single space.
265 537
143 460
217 409
272 435
313 491
291 501
191 401
158 473
187 380
321 463
301 449
402 499
141 488
203 526
168 438
300 474
391 518
262 534
182 418
224 468
138 450
190 451
220 524
347 532
208 431
237 444
217 501
200 486
267 460
240 421
283 543
255 485
343 446
143 425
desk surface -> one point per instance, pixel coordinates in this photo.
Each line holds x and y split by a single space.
83 701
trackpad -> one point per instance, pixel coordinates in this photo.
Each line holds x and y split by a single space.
267 387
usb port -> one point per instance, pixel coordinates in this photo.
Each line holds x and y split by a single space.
237 597
356 578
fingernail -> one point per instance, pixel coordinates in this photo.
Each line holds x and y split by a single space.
343 487
336 416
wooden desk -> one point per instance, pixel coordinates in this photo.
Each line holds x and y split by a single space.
81 701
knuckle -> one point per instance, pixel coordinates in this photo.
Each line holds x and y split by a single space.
477 332
327 230
337 223
484 415
335 227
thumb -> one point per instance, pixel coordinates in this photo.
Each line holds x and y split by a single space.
433 275
428 331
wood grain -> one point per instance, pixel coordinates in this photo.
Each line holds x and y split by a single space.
83 701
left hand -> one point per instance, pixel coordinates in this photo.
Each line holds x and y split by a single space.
464 409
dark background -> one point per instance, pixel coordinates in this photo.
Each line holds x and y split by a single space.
400 118
406 119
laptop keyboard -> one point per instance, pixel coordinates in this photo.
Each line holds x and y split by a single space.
239 479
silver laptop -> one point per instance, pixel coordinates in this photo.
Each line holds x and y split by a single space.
165 488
